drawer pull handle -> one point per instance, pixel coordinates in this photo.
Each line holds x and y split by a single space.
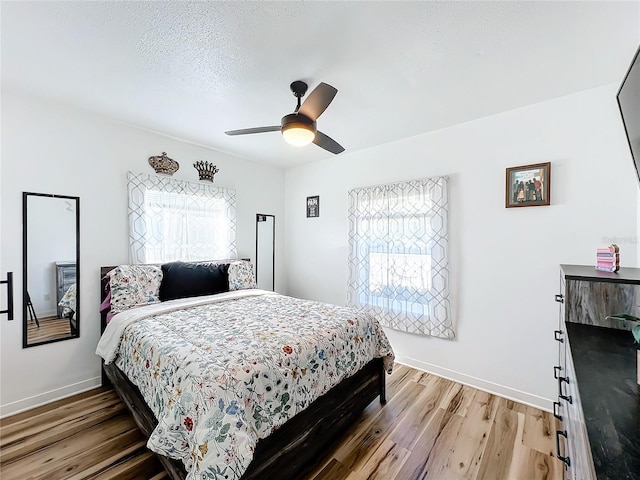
559 298
560 394
556 371
556 409
556 335
560 457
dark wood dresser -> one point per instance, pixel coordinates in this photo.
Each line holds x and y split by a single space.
598 395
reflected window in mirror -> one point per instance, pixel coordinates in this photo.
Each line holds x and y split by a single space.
265 251
51 268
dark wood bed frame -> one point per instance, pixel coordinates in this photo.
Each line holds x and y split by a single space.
291 450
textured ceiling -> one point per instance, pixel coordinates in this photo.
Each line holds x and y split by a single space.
194 70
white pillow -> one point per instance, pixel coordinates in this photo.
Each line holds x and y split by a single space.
134 285
241 275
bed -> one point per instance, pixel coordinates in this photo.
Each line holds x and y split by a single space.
68 306
213 383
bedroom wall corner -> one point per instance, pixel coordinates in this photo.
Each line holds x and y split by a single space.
48 147
504 261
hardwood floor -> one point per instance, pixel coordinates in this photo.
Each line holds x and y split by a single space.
430 429
51 328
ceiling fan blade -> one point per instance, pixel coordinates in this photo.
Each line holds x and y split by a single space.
328 143
318 101
245 131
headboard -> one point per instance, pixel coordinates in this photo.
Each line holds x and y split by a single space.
104 280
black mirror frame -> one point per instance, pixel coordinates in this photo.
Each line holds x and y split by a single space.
261 217
25 196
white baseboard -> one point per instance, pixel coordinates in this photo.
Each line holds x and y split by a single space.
48 397
484 385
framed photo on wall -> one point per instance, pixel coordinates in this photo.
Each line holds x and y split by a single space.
528 185
313 206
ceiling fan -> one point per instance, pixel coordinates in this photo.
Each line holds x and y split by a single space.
299 128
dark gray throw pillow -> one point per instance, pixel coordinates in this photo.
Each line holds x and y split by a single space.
193 279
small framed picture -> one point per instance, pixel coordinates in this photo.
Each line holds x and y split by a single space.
313 206
528 185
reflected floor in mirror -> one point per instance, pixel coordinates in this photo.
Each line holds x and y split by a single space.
51 328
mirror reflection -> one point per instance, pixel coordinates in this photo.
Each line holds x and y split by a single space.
51 246
265 248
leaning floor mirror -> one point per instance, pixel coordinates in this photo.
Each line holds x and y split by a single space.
265 251
51 274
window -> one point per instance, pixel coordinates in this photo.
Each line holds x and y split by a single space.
177 220
398 264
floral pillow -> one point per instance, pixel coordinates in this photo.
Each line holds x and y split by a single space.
241 275
134 286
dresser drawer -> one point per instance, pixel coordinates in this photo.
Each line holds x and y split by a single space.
580 463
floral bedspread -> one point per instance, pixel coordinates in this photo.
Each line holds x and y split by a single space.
222 375
68 301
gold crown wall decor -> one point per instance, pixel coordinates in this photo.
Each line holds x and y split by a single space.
206 170
164 164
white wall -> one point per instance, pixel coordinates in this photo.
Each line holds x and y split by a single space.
49 148
504 261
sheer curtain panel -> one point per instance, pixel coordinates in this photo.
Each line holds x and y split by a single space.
173 219
398 255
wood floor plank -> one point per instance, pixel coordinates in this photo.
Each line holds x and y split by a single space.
466 457
458 399
28 414
359 449
334 470
398 379
56 411
444 438
512 405
140 465
421 377
530 464
63 462
135 451
368 416
458 450
384 464
415 421
39 432
159 476
415 466
503 439
365 420
539 431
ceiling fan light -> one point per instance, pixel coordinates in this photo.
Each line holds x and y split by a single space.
298 130
298 135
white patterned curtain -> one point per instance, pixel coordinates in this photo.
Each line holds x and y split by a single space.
173 219
398 255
